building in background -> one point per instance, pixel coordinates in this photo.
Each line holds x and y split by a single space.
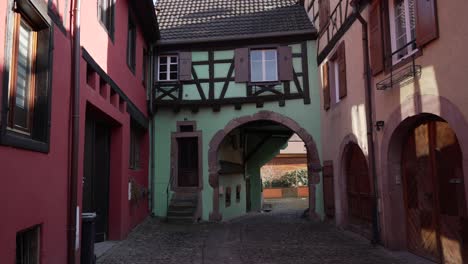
235 79
286 174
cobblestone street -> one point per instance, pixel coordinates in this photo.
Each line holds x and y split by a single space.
280 236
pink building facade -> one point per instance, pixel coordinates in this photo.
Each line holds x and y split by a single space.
36 117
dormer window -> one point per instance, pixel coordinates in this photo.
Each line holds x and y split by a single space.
168 68
264 65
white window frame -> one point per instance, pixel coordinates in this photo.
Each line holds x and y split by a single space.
264 65
168 71
410 49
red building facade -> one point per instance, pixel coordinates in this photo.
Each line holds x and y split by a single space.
36 117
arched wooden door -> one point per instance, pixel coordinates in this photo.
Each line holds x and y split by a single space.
437 226
358 187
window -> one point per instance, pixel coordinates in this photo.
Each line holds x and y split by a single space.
131 43
228 197
27 246
264 65
144 74
334 80
106 15
136 135
168 68
26 117
403 28
238 193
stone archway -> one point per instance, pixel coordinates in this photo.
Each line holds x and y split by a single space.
396 128
314 166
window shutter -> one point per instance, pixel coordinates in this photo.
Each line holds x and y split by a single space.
342 69
242 65
326 86
328 189
324 12
426 22
376 38
41 122
185 66
285 63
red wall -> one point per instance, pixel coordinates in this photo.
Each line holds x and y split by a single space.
34 188
111 57
35 185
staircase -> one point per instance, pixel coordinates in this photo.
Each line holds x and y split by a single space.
182 208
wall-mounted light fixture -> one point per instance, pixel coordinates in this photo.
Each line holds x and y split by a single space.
379 125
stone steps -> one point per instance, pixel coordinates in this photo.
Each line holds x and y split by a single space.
182 208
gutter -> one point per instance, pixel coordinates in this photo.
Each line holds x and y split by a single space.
370 124
74 210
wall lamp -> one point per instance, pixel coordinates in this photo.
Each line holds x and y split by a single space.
379 125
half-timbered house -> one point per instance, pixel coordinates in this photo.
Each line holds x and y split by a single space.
234 81
394 122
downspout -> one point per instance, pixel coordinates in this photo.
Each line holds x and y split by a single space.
152 133
74 210
370 123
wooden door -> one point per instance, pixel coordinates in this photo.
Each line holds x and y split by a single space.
451 193
187 169
434 194
96 175
358 187
418 177
328 189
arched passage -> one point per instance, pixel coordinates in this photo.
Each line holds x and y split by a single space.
410 156
313 160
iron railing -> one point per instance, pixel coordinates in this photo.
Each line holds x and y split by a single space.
404 75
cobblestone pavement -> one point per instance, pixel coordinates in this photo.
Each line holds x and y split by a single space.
280 236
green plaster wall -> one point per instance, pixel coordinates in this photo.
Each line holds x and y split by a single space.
209 122
221 69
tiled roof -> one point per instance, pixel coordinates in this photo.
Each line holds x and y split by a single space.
207 19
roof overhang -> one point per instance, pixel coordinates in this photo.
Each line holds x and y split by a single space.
146 16
309 34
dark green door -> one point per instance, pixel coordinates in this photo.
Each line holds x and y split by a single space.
96 175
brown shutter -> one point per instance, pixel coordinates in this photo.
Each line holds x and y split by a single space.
426 22
242 65
324 12
326 86
376 38
341 60
185 66
285 64
328 189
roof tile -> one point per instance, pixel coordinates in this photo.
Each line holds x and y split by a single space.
192 19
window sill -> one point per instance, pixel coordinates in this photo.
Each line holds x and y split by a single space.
273 83
16 140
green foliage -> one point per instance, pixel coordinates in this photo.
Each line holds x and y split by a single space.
291 179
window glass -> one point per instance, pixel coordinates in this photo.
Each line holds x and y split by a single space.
403 28
168 68
24 65
263 65
256 71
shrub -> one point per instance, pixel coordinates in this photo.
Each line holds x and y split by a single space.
291 179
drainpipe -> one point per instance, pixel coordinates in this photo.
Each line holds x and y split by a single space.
152 133
370 124
74 211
